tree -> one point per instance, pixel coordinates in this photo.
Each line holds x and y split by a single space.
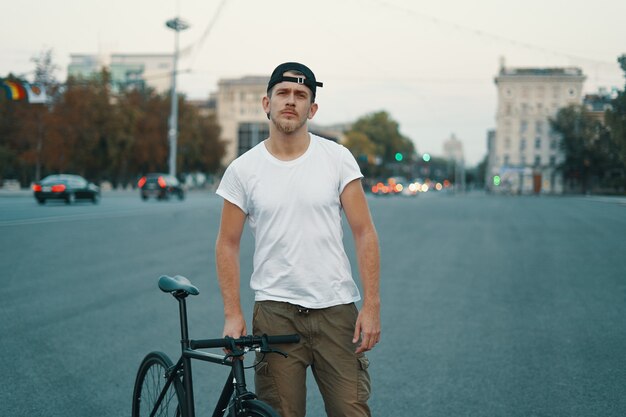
87 129
363 149
383 132
45 70
200 149
616 121
9 164
586 145
24 126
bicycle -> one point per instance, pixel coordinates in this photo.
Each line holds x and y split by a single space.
164 389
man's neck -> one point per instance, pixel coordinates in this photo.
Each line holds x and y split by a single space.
287 147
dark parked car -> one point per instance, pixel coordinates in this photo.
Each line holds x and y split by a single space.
66 187
160 186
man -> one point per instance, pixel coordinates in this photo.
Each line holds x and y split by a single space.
291 188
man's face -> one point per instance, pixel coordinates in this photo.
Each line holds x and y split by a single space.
289 105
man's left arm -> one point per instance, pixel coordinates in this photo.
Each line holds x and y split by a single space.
368 256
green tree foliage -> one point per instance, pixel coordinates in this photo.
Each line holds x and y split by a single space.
616 118
587 146
363 149
89 130
595 152
377 136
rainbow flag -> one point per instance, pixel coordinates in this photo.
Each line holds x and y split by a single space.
15 90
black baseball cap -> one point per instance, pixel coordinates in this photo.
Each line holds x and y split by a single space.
308 78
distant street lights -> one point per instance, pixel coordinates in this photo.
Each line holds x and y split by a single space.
177 25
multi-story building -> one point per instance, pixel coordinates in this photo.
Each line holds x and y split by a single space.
240 114
597 104
524 152
453 149
453 153
127 70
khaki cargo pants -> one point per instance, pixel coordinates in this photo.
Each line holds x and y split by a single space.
326 346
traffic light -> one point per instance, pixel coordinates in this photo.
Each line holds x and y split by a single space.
426 157
496 180
399 157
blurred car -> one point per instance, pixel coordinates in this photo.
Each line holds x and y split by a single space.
66 187
393 186
160 186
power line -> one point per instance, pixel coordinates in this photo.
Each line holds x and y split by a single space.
194 48
492 36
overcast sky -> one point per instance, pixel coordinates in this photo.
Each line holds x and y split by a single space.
430 64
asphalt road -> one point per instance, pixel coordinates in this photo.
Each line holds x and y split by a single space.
492 306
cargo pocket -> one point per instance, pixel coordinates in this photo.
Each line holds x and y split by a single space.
265 385
364 384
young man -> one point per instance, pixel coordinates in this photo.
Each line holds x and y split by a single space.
292 188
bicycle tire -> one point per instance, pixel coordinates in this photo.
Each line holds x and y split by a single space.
148 385
256 408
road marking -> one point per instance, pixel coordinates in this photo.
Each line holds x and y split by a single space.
71 217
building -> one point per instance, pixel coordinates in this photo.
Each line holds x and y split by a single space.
240 114
453 153
596 105
127 70
524 153
453 149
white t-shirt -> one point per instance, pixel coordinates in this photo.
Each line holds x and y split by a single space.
294 212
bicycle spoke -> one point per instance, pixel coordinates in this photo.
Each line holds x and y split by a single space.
151 380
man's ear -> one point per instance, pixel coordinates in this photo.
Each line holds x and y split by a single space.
312 110
266 105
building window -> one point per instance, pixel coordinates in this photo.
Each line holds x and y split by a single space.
537 143
523 160
522 144
539 126
540 91
251 134
506 160
524 108
553 144
537 160
552 160
523 126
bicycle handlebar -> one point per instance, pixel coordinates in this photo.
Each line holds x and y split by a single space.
246 341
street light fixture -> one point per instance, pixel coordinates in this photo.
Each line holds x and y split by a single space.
177 25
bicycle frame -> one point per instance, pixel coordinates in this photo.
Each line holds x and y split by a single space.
234 399
236 381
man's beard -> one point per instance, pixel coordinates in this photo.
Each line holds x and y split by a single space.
288 126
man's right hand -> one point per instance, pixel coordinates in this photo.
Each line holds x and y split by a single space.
234 326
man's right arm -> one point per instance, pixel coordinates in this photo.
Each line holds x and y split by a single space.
227 260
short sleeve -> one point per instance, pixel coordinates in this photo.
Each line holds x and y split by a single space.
349 169
231 188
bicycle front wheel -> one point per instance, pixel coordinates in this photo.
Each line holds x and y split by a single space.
151 379
256 408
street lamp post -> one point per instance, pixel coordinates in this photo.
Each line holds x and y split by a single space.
177 25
